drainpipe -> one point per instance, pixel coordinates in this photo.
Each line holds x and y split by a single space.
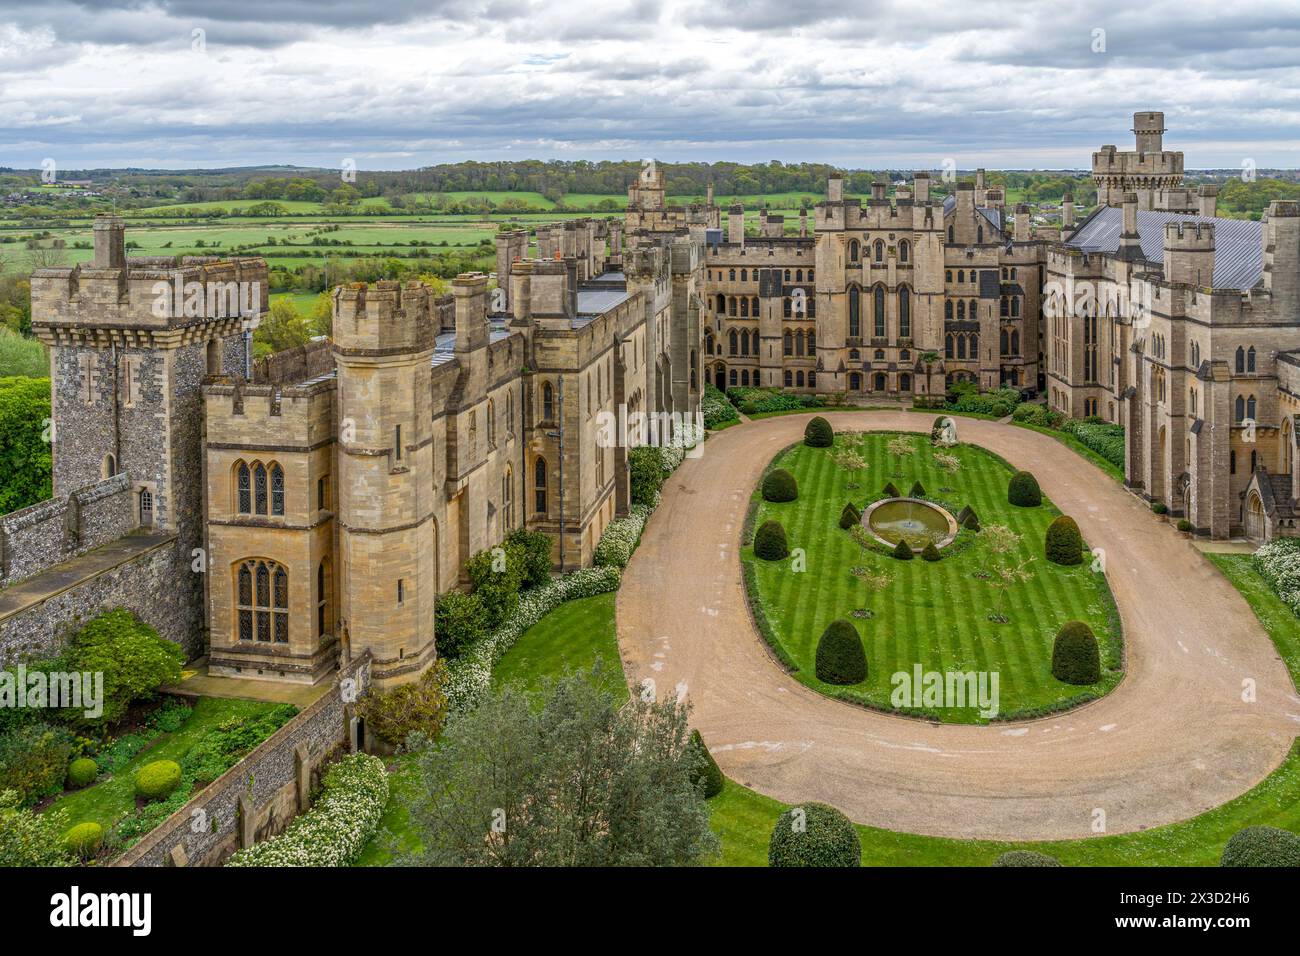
561 436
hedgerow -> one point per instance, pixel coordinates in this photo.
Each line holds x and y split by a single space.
337 827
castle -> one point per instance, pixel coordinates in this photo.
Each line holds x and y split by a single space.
286 519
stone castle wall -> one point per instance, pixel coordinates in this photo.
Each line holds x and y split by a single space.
54 530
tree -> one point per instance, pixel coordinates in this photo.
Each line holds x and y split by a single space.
27 838
1063 543
582 780
1076 659
1001 543
770 542
818 433
707 774
899 448
283 328
26 463
814 835
418 707
840 658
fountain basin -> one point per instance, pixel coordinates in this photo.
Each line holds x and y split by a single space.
911 519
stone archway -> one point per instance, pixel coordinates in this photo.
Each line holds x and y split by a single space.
1256 522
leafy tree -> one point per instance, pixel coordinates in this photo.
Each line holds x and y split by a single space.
134 660
26 464
418 707
534 551
707 775
840 658
581 781
459 620
496 575
1001 543
283 328
899 448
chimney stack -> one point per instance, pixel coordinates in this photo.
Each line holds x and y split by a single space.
736 224
470 292
1067 213
110 242
835 188
1024 222
1189 253
1129 245
921 187
1208 200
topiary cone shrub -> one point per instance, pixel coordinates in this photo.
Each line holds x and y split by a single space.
155 781
890 490
918 490
1026 858
814 835
84 840
840 657
1075 656
903 551
770 543
706 774
1064 544
82 772
780 486
930 552
819 434
966 518
1262 846
850 516
1023 490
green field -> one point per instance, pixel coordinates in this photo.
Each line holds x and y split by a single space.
932 614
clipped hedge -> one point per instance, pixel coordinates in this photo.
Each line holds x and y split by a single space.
620 538
84 840
770 542
891 490
1023 490
818 433
814 835
1262 846
706 775
779 486
930 552
903 551
156 780
1063 543
1076 658
1026 858
850 516
337 827
840 657
82 772
918 490
968 519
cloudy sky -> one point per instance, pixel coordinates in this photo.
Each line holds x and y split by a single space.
870 83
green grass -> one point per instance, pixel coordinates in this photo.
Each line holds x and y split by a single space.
1278 619
22 356
1068 440
572 637
110 799
932 614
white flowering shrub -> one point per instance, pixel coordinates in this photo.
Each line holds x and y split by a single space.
337 827
621 537
471 672
1279 563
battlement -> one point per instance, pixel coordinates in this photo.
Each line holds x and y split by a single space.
1189 235
298 416
383 318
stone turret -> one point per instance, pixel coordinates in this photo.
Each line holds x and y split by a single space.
1280 238
1189 253
1207 197
1149 128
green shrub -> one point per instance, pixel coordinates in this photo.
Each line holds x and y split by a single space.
1105 439
770 543
27 838
1184 525
779 486
459 621
707 775
814 835
903 551
34 759
1159 507
1076 658
818 433
1026 858
21 356
156 780
84 840
1064 543
648 468
496 575
930 552
226 744
850 516
24 450
1262 846
968 519
840 657
966 397
891 490
534 554
419 706
918 490
82 772
1023 490
716 409
134 660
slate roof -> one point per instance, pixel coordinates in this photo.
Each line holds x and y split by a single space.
1238 259
992 215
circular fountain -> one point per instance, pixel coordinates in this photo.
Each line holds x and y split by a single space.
913 520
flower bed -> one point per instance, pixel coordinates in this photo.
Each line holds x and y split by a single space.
621 537
1279 563
338 825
